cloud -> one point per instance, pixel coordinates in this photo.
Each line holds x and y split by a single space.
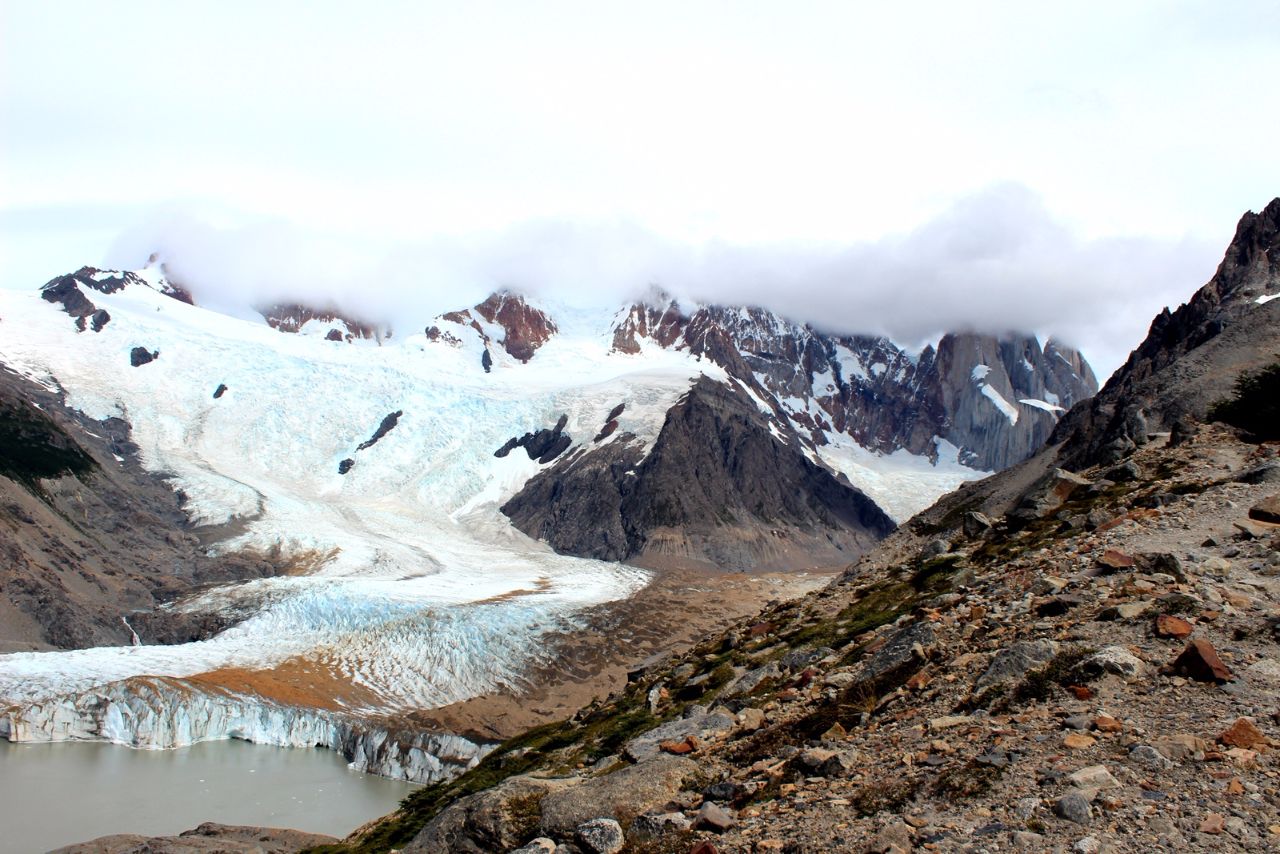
995 261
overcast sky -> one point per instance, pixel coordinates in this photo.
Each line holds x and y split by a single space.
1064 168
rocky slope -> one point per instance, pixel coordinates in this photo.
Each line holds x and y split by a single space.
994 398
1047 660
1192 354
92 544
717 486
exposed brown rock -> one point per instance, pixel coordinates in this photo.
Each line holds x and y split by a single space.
1200 661
1244 733
525 328
1170 626
1115 560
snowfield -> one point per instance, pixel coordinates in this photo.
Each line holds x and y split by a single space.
423 593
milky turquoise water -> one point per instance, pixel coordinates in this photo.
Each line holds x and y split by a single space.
56 794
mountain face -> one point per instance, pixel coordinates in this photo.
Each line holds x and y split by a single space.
995 398
717 485
1190 356
93 547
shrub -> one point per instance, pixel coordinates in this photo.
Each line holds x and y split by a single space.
1254 405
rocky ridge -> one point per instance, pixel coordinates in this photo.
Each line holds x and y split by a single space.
995 398
335 324
721 485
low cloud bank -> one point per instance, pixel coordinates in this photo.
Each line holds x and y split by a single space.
995 261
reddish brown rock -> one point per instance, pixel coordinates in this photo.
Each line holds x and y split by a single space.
525 327
1077 741
1169 626
1106 723
1115 560
1213 823
1200 661
1243 733
291 317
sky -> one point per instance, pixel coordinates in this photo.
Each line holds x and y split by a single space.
1061 168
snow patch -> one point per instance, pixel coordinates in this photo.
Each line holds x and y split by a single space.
901 483
1041 404
1003 405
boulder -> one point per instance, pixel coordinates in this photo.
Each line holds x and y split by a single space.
714 818
1093 777
652 825
541 845
492 820
1016 661
976 524
1244 733
1180 747
1113 560
600 836
624 793
1200 661
903 654
697 723
1115 660
1047 495
1074 806
1170 626
1267 510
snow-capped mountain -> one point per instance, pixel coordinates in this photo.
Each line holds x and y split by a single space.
403 472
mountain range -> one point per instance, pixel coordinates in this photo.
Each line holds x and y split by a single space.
409 516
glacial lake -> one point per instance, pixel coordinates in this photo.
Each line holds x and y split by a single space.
56 794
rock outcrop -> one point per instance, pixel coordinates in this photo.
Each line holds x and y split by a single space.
1191 356
506 319
208 838
719 485
329 321
88 537
995 398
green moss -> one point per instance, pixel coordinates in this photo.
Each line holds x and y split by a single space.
932 575
886 796
1062 670
525 815
966 781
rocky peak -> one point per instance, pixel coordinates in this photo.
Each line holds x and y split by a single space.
293 317
68 291
524 327
1191 356
880 394
507 318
